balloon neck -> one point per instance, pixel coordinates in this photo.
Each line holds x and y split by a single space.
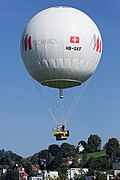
61 93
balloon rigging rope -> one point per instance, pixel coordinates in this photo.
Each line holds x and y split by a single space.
77 99
44 100
49 94
63 112
69 101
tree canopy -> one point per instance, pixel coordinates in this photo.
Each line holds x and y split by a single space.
112 148
94 142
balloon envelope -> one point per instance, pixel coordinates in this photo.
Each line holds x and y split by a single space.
61 47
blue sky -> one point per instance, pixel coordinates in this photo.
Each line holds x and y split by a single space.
25 124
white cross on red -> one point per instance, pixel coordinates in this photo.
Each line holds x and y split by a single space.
74 39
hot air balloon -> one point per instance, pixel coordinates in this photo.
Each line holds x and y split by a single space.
61 48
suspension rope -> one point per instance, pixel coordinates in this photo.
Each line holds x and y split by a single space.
77 99
44 100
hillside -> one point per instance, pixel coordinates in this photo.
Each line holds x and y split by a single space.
99 154
60 158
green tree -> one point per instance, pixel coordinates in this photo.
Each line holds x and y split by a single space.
118 153
112 148
54 150
11 174
45 159
91 166
83 161
99 164
27 165
94 143
6 157
34 159
62 169
54 165
43 154
68 150
103 163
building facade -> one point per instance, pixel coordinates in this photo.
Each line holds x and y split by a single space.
45 175
72 173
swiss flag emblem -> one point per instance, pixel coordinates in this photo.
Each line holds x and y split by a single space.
74 39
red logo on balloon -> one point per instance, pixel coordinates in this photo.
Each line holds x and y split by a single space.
96 43
74 39
27 43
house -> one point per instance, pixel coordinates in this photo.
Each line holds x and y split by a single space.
3 169
72 173
80 148
53 174
116 164
45 175
38 177
22 174
111 174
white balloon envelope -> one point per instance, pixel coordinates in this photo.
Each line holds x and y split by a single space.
61 47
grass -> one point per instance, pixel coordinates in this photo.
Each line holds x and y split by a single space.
94 155
97 154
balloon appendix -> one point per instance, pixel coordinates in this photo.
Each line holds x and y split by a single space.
61 48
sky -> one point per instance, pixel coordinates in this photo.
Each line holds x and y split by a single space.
25 124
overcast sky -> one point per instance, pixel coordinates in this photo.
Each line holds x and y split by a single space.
25 124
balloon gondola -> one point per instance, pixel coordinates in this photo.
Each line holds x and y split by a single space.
60 133
61 49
